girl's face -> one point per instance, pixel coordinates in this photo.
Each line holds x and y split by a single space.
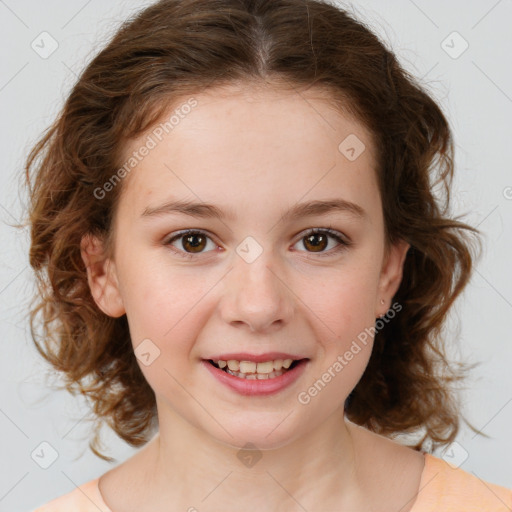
252 278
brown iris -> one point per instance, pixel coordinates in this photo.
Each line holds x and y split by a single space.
315 244
195 246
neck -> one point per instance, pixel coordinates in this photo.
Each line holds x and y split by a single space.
199 471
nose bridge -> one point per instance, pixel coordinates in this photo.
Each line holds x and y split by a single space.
257 294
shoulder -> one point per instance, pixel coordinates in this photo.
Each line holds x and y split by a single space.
85 498
444 487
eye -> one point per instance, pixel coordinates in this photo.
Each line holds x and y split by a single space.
192 242
317 240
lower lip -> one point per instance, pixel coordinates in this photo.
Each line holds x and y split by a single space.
255 386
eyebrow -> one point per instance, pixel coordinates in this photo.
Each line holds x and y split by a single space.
205 210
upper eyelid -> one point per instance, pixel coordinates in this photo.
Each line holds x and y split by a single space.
178 234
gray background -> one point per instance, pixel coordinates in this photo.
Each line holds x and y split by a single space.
473 87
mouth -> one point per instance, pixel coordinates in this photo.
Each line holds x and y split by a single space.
250 370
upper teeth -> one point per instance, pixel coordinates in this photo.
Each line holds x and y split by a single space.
252 367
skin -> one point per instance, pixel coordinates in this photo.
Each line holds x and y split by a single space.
255 152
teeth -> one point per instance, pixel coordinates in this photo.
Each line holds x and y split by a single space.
266 367
233 365
259 370
254 376
247 367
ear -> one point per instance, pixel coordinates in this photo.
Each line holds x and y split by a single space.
102 277
391 275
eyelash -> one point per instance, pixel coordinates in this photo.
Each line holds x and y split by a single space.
343 242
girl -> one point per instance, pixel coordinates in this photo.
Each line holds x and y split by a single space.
244 265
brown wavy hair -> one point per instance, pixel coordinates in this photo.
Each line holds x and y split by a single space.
175 48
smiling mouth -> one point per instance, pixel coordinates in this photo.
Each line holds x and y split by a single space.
256 371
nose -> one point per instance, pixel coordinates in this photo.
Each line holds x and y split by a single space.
257 296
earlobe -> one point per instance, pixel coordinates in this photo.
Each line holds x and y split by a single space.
101 276
391 275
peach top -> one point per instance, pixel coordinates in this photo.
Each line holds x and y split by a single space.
442 489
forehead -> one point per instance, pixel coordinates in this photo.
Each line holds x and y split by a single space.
251 144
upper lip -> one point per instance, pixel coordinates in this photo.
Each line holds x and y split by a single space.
256 358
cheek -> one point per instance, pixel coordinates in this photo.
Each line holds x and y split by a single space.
346 336
165 317
345 313
346 302
157 298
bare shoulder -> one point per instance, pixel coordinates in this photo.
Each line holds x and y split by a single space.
84 498
384 450
394 470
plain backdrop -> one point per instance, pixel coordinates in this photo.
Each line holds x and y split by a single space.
460 49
